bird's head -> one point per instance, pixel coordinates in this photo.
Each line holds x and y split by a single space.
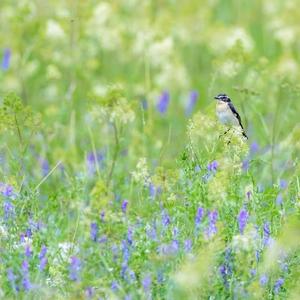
222 97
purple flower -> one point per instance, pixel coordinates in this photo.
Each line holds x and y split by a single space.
199 216
44 165
6 59
6 189
254 148
144 104
163 102
165 219
11 278
125 250
151 232
102 239
129 236
9 210
74 268
94 231
92 160
102 215
263 280
42 258
152 190
187 246
28 251
279 199
25 276
283 184
124 206
89 292
266 233
212 219
191 103
146 283
114 286
224 273
212 167
242 220
245 165
248 194
278 284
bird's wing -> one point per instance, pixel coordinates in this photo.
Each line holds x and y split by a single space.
232 108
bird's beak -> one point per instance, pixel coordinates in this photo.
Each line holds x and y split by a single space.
216 97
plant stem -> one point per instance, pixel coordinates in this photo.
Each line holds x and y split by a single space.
115 154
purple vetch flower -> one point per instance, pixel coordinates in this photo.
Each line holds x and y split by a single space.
224 273
9 210
279 199
146 283
28 251
163 102
102 239
28 233
42 257
89 292
253 272
245 165
254 148
6 190
124 268
188 245
6 59
175 232
212 219
199 216
102 215
266 233
92 159
25 275
94 231
151 232
74 268
132 276
242 220
283 184
144 104
152 190
44 165
248 194
114 286
130 236
125 250
12 279
278 284
212 167
193 97
165 219
124 206
115 251
263 280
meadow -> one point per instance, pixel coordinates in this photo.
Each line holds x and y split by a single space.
115 179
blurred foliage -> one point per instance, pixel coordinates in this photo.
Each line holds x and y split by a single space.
103 102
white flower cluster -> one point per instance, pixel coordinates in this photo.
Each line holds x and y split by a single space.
141 174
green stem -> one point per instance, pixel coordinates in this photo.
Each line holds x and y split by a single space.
115 154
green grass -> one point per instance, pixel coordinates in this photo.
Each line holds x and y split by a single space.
83 131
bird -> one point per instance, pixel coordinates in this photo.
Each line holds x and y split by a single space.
227 114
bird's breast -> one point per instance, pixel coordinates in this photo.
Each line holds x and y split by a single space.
225 114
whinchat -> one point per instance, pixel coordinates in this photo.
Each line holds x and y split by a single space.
227 113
